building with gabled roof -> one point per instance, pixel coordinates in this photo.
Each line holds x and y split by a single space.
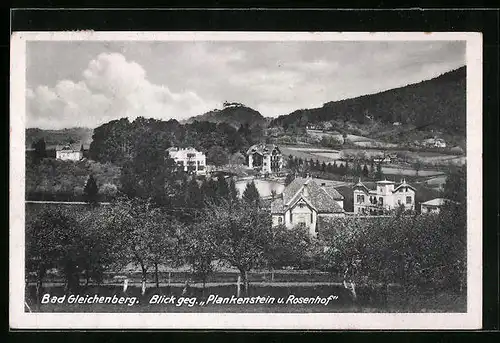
304 201
69 152
266 158
386 196
434 205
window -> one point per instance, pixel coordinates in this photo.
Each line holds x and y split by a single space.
291 217
408 200
280 220
360 199
311 217
381 200
301 205
399 201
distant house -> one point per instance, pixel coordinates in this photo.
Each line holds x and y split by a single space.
69 153
433 206
266 158
384 159
386 196
396 123
435 143
189 160
304 201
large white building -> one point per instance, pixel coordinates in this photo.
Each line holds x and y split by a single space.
189 160
266 158
304 201
386 196
67 153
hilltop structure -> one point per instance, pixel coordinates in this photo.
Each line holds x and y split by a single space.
386 196
69 153
189 160
266 158
304 201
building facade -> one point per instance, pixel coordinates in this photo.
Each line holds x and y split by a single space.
189 160
386 196
433 206
266 158
67 153
304 201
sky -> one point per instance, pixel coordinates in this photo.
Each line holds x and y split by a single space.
86 84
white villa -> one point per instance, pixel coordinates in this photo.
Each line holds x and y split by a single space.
266 158
67 153
304 201
386 196
189 160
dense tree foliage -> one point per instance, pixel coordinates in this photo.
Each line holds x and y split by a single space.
251 194
118 140
40 151
53 179
91 190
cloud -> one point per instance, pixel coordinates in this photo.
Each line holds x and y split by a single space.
111 88
77 84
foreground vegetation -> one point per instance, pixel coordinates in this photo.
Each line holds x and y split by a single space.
420 254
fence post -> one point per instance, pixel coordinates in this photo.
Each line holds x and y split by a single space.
125 285
238 285
169 278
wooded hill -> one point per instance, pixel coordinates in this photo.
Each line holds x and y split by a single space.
439 103
53 138
233 114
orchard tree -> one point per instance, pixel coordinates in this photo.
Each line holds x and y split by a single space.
238 235
53 240
199 251
287 247
148 236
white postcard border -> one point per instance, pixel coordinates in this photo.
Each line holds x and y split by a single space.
19 319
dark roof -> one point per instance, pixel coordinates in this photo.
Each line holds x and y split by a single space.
277 206
321 199
69 147
333 193
262 149
403 184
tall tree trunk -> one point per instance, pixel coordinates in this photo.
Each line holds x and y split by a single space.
244 281
238 286
39 285
143 281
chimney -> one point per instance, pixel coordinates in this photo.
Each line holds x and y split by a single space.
305 190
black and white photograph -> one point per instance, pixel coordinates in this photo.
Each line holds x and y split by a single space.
246 180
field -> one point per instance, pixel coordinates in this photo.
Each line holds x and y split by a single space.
332 155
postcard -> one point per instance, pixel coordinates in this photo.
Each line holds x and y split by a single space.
246 180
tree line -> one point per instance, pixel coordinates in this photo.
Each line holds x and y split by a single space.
356 168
